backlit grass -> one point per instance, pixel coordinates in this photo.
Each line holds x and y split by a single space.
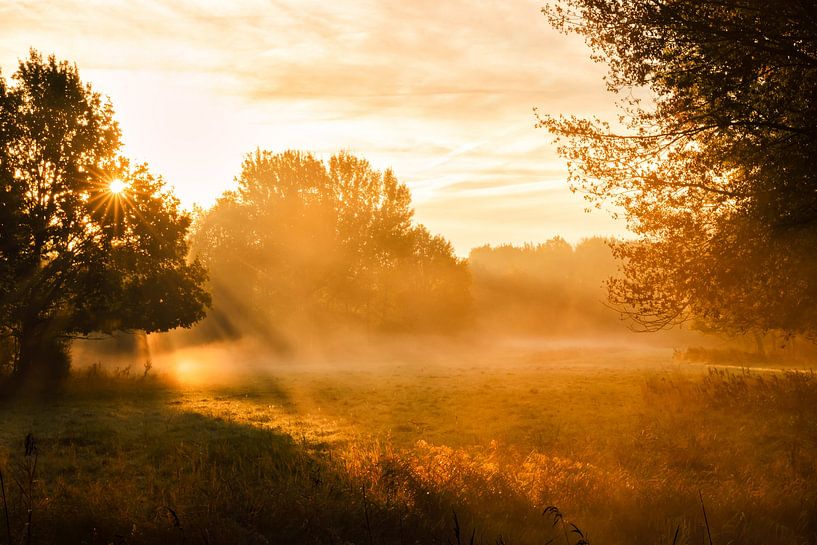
625 444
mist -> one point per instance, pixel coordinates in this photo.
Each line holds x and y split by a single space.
391 273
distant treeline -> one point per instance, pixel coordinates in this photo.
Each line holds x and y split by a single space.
306 249
552 288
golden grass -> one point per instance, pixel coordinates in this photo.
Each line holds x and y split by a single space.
621 443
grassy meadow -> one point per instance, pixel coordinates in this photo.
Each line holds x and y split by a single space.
466 445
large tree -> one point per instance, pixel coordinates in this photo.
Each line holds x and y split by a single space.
88 243
303 246
714 167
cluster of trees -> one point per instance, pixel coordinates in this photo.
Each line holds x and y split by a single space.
304 246
92 244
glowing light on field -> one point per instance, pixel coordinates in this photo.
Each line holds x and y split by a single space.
185 368
196 366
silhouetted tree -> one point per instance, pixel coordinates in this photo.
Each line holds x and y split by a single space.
78 254
715 170
302 245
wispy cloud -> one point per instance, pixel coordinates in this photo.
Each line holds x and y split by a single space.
441 91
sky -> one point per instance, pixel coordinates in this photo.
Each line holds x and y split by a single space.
443 92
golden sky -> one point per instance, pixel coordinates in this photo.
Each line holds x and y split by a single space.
442 91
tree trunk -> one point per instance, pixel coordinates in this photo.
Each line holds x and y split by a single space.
42 356
761 349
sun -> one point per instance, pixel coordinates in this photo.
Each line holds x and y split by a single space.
117 186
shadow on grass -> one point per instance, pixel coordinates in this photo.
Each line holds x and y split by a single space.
139 462
133 466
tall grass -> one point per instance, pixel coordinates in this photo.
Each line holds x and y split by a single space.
727 457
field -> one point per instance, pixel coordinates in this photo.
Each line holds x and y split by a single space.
473 444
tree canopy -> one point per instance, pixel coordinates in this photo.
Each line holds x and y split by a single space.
714 169
305 245
88 242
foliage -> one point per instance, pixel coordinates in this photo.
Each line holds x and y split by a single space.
302 246
75 257
714 171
